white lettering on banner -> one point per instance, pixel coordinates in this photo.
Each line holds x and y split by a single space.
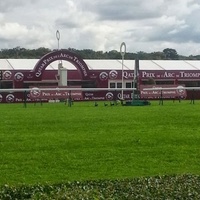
98 98
58 94
66 56
81 65
128 75
143 92
38 74
125 96
50 59
44 64
189 75
46 94
169 75
156 92
169 92
18 100
87 94
148 75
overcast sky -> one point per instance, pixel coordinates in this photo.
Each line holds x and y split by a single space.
102 25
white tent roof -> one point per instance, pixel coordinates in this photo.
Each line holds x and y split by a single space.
194 63
149 65
109 64
23 64
5 65
28 64
175 65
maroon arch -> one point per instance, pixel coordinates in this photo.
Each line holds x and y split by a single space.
67 55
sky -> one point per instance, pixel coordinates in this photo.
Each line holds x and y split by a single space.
101 25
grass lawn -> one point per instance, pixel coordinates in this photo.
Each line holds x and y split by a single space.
55 143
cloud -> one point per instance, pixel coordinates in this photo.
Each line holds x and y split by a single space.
102 25
124 10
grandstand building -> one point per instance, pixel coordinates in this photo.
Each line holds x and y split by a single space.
63 68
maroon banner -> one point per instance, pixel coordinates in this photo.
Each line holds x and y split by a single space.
37 93
165 94
62 54
170 74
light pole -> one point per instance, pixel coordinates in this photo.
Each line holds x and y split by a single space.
59 61
122 51
58 37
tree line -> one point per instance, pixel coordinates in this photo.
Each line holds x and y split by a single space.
166 54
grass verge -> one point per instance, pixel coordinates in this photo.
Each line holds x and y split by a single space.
55 143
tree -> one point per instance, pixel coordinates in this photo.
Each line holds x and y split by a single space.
156 56
143 55
167 53
170 54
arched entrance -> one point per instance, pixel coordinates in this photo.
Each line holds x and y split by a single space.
60 55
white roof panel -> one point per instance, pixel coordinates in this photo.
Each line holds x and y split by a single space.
22 64
194 63
174 65
103 64
128 64
5 65
149 65
28 64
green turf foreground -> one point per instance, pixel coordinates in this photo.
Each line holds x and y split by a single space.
53 143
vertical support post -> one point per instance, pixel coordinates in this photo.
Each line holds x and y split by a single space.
70 99
161 98
1 77
25 96
122 51
135 79
115 97
122 76
192 100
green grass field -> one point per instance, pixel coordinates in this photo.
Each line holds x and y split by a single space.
54 143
